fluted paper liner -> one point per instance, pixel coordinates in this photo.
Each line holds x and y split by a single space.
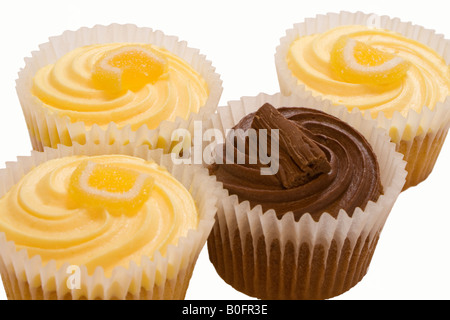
47 128
271 258
163 277
419 136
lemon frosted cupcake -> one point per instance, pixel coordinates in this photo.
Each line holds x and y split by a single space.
308 231
102 222
119 81
392 71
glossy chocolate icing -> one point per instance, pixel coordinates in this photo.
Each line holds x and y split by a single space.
324 165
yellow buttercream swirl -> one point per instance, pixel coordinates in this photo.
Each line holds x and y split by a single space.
426 83
66 88
39 215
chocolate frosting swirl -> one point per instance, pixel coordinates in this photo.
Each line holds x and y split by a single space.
324 165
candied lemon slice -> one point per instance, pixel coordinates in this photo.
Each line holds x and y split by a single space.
119 190
357 62
128 68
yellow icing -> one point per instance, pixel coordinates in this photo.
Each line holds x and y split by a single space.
427 80
70 87
42 215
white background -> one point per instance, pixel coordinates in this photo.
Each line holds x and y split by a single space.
412 260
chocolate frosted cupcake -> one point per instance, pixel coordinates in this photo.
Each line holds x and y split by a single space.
304 215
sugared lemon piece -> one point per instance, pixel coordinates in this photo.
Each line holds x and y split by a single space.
128 68
116 189
357 62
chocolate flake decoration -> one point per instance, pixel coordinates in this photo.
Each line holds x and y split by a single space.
300 158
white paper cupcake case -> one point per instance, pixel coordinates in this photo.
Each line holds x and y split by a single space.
421 147
163 277
46 128
270 258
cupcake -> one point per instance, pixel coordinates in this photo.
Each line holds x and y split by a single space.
394 72
307 227
102 222
118 81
